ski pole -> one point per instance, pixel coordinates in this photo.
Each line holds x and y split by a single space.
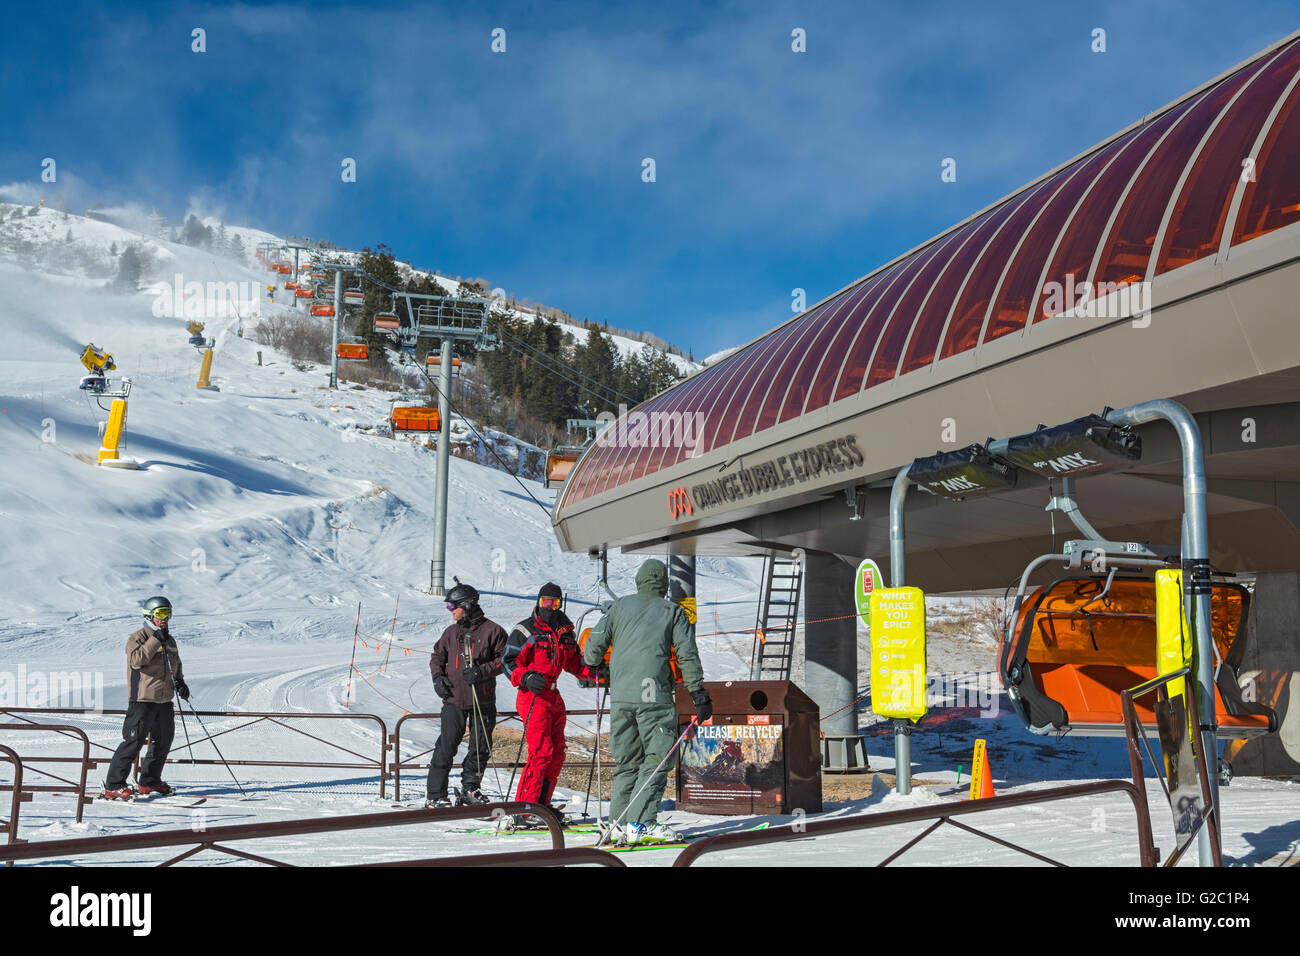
188 746
205 729
478 717
595 753
631 800
520 752
219 754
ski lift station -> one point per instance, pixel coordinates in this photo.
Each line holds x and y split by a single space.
1087 387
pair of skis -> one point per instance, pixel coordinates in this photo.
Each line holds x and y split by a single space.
138 797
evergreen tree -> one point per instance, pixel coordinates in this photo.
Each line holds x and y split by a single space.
128 269
596 360
378 264
195 233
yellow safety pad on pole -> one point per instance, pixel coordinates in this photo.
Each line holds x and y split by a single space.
113 431
687 604
205 371
1174 645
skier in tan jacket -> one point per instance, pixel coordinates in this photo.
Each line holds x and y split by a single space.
154 677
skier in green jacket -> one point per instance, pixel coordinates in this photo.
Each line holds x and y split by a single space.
644 629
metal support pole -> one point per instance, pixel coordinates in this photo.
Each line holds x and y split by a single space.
1068 503
897 551
681 575
334 345
898 577
1196 580
438 566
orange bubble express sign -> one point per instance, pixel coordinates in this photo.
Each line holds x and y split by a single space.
898 678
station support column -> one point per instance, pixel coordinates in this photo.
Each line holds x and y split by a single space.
831 659
681 578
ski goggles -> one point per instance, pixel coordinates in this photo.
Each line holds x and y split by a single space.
161 612
451 607
548 602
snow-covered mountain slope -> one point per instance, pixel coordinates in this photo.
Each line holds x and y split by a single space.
271 491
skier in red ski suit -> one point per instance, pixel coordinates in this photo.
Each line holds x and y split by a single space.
540 648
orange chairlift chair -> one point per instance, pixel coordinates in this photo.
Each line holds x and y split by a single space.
353 349
433 361
324 310
1073 645
1078 641
417 418
559 462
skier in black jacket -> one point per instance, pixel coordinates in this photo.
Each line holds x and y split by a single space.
464 666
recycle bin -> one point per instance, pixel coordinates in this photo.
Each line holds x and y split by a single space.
759 753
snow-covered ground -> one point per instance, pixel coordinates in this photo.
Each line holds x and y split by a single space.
268 510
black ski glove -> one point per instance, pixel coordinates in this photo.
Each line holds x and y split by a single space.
472 674
182 689
533 681
703 704
602 673
442 687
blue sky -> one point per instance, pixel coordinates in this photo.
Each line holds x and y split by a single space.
775 170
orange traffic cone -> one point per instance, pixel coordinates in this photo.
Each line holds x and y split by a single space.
981 780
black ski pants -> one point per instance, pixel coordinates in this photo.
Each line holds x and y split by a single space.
454 720
143 719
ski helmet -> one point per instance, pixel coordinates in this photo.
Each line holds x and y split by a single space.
462 595
154 603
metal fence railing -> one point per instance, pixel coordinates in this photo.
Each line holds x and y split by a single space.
1147 852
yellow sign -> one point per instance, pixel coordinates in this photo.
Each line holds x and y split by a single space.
978 767
1174 646
898 678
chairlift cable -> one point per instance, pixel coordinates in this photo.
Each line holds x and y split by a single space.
486 444
543 357
539 359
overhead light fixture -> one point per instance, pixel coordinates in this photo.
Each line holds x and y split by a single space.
1081 447
959 474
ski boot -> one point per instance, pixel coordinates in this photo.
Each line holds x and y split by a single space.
633 833
438 803
611 834
660 833
123 793
508 823
473 798
159 789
